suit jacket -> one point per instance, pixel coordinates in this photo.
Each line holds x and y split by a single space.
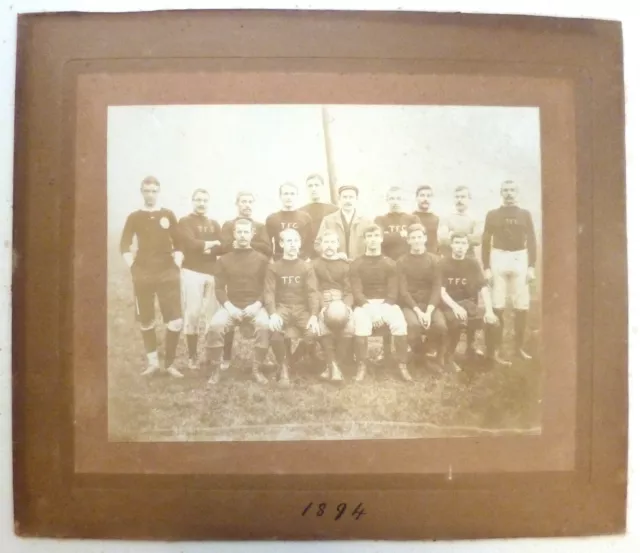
356 246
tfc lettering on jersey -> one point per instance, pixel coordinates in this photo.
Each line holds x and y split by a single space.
394 227
462 278
509 228
282 220
291 282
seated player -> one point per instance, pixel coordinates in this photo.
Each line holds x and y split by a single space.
240 277
334 283
292 301
420 289
374 282
462 283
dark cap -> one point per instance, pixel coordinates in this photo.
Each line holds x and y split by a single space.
348 187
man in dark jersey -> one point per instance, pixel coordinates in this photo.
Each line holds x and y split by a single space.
394 244
155 270
316 208
509 258
292 301
394 225
290 217
201 246
334 284
260 242
462 284
420 291
374 283
428 219
239 289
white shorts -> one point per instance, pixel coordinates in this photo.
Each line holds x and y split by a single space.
391 316
198 299
509 270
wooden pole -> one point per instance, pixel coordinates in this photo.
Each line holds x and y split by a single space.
329 153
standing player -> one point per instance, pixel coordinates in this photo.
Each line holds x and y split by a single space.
462 284
334 283
420 289
428 219
394 225
347 223
290 217
239 283
316 208
460 221
374 282
509 257
260 242
202 245
155 270
292 301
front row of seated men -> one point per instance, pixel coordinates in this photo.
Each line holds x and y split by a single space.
419 296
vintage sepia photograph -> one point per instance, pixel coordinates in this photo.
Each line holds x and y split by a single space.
323 272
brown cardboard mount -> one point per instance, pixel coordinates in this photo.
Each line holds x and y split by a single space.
71 482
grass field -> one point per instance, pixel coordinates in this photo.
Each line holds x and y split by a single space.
436 404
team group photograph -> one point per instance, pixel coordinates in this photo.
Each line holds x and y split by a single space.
348 310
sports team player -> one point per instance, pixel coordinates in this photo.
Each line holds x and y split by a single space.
462 284
374 283
334 283
428 219
292 301
155 271
316 208
240 278
394 225
420 290
290 217
260 242
202 245
347 223
460 221
509 257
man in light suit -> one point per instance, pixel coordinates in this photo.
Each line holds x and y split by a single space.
347 223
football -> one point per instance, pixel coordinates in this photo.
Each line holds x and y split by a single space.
336 316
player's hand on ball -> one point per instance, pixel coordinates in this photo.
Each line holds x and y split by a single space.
488 276
313 326
460 313
276 323
490 318
531 274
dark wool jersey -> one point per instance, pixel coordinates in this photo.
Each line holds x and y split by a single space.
317 211
509 228
240 277
334 274
430 222
260 241
299 220
374 277
419 280
394 245
291 282
158 237
462 278
195 230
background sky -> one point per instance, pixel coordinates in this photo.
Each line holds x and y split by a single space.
226 148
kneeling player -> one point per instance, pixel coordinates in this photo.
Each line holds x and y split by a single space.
462 283
420 289
291 299
334 283
240 276
374 282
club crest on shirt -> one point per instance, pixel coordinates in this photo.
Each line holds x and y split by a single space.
164 222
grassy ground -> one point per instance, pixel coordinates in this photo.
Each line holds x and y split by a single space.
471 403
